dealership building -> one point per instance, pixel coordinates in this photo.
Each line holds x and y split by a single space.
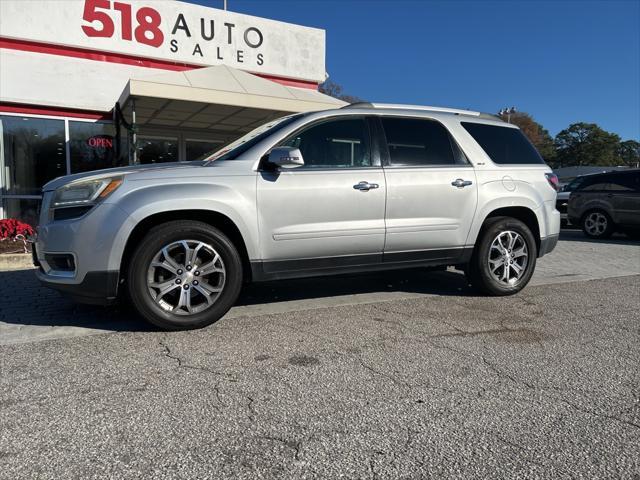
91 84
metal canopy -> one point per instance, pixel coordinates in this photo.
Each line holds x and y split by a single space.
218 98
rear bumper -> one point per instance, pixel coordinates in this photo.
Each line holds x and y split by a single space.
97 288
548 244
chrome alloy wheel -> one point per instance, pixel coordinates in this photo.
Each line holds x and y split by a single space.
186 277
508 257
595 224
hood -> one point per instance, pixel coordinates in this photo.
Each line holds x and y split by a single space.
60 181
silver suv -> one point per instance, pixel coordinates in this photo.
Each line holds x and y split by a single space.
362 188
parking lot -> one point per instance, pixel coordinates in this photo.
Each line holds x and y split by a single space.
391 375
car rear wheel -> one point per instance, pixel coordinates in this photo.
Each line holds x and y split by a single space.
597 224
504 257
184 275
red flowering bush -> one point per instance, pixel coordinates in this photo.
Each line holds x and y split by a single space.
15 230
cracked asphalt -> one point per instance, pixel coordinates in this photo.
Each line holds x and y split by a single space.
544 384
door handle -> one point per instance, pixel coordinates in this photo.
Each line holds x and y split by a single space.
460 183
365 186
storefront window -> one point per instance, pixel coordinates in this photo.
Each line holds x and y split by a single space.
157 150
94 146
200 149
24 209
32 152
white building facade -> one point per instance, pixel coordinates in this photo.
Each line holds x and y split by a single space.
90 84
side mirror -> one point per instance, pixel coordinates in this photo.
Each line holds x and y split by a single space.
286 157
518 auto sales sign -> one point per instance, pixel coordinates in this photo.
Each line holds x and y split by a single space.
172 31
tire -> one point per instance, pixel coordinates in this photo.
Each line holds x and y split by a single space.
173 294
485 272
597 224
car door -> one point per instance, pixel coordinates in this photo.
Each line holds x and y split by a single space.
431 191
624 192
328 213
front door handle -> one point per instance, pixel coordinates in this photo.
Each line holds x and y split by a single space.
365 186
460 183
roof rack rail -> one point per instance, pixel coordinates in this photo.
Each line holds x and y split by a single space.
394 106
359 105
426 108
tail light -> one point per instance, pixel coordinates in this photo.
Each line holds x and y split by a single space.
552 178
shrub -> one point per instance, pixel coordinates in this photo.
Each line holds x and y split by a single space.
15 230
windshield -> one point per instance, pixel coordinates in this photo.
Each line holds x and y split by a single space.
244 143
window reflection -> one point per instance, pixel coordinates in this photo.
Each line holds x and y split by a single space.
94 146
24 209
200 149
32 152
157 150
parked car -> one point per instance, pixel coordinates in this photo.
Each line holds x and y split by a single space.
362 188
562 201
605 203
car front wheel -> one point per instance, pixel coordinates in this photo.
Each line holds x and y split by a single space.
184 275
504 257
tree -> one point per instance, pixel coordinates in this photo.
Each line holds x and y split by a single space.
329 87
535 132
629 153
587 144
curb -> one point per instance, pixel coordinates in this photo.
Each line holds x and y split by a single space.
16 261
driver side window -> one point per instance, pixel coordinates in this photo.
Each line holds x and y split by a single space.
342 143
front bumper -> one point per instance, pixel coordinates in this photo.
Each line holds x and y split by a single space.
81 257
97 288
548 244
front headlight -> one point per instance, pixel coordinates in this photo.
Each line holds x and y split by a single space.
87 192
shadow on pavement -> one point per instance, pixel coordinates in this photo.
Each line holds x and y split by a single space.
577 236
408 281
23 301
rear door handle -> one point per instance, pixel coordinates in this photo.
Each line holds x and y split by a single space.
365 186
460 183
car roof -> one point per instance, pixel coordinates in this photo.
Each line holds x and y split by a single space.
611 172
420 111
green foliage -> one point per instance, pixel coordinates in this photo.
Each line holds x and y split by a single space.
329 87
577 145
587 144
629 153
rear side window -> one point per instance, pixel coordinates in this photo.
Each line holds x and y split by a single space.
416 142
595 183
625 182
504 145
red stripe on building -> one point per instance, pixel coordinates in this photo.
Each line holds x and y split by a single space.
122 58
25 109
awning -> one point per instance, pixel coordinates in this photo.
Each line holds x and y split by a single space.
217 98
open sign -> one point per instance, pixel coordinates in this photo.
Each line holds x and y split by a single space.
100 141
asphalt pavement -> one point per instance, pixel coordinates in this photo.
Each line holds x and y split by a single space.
31 313
422 382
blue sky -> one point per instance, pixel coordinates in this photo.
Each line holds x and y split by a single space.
561 61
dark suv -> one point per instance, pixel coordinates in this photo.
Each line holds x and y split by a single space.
607 202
